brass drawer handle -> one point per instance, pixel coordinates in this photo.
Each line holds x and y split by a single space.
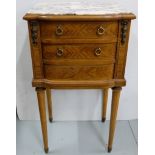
100 30
98 51
59 52
59 31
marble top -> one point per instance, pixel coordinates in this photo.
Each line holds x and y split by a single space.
78 7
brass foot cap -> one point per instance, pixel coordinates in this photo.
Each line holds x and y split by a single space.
51 120
46 150
103 119
109 149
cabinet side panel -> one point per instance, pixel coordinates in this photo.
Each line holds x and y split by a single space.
122 48
36 52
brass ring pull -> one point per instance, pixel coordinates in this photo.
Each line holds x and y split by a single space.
59 31
98 51
59 52
100 30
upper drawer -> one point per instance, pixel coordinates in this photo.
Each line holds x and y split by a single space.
79 30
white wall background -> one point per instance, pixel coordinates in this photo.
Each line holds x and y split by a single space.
73 104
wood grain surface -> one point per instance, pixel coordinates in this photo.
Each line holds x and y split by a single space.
79 52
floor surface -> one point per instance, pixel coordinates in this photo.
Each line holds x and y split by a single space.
77 138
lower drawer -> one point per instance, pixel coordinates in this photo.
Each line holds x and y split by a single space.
79 51
104 72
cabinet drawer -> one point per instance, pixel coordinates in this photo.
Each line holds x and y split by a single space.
79 30
78 51
103 72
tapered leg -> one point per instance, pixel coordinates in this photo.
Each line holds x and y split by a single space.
42 110
49 101
104 106
114 108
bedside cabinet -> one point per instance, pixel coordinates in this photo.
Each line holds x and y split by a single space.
80 50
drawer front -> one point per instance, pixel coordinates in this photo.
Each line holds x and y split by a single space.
79 30
87 51
104 72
